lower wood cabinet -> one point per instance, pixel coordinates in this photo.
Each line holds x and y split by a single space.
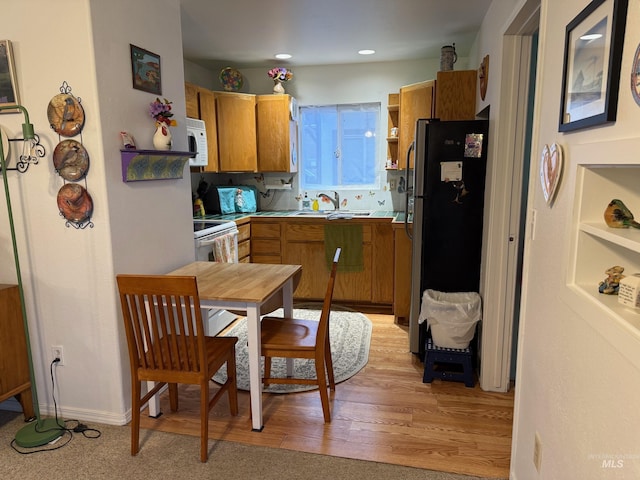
244 241
15 379
304 245
401 274
265 241
301 242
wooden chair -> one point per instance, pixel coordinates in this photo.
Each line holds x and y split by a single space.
167 345
297 338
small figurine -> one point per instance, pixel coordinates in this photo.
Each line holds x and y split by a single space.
617 215
611 284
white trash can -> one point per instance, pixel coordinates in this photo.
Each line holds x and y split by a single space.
452 317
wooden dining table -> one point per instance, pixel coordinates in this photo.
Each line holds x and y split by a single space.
245 287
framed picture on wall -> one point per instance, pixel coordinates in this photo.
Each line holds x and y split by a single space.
145 70
592 60
8 83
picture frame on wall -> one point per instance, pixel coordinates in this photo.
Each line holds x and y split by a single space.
592 61
8 83
145 70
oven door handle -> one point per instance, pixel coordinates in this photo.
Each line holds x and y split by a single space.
202 242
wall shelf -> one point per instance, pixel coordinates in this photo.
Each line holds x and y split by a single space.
597 247
138 165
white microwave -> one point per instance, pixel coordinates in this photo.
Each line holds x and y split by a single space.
197 141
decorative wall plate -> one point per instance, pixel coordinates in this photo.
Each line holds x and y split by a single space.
550 171
231 79
66 115
71 160
75 203
635 76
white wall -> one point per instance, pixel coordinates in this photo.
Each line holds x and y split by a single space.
68 273
573 387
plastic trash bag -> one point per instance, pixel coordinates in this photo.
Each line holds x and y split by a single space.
451 316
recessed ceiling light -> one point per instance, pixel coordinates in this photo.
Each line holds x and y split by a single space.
283 56
366 52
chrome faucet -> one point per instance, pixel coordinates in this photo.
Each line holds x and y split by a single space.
336 201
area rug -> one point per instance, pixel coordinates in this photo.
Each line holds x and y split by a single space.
349 335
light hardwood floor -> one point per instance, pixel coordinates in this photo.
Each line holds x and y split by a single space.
384 413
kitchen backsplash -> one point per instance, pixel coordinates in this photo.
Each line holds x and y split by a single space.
283 198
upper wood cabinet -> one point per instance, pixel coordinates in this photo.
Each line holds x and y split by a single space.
201 103
208 114
452 96
191 100
230 120
416 101
236 121
277 133
456 95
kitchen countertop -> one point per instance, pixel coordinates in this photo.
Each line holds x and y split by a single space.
377 214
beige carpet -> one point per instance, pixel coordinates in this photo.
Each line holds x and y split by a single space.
166 455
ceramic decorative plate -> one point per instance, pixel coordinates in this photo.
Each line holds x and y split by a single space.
71 160
66 115
75 203
231 79
635 76
550 171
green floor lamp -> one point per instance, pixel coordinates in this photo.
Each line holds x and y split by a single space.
41 431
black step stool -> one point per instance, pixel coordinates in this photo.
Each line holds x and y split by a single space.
440 362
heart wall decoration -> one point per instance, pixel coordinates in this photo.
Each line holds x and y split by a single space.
550 171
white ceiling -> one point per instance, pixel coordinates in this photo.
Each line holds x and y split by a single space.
248 33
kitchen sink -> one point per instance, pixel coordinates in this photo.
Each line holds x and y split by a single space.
333 213
356 213
310 213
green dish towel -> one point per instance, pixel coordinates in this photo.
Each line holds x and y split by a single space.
349 238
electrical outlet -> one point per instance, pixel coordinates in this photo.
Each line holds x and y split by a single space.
393 184
58 352
537 452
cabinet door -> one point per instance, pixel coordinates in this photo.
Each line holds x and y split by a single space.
237 146
401 276
191 100
15 379
382 264
456 95
207 103
416 101
276 135
265 242
304 245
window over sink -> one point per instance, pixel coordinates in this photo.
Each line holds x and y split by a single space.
338 146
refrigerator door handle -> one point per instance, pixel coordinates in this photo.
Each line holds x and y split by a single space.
408 192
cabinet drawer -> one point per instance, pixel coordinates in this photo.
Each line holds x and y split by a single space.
265 230
266 259
265 247
305 232
244 249
244 232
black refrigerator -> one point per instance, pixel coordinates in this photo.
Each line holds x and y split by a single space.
446 188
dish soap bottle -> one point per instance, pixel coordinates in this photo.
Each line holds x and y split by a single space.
306 203
315 205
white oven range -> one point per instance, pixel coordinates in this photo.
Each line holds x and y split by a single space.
206 232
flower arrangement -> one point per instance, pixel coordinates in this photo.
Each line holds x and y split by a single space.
280 73
160 110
